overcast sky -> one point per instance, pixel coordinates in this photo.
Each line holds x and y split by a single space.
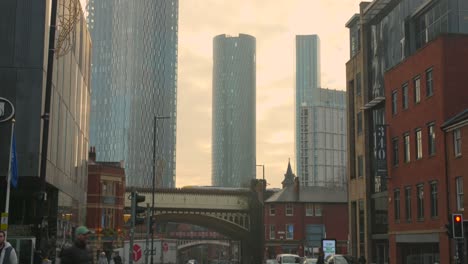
274 24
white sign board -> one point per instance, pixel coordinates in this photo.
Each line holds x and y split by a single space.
329 247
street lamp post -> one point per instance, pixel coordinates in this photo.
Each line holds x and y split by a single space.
156 118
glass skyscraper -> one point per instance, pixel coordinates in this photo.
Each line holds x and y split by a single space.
233 127
134 78
307 78
320 121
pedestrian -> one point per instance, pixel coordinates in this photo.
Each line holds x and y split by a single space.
362 260
117 258
321 256
79 252
103 258
7 252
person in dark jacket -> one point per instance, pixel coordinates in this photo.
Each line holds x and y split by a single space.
117 258
362 260
7 252
321 256
79 252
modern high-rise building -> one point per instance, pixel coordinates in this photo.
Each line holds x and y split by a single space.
320 121
233 126
134 78
322 139
59 154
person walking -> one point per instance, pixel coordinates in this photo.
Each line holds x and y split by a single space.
7 252
321 256
362 260
117 258
102 258
79 252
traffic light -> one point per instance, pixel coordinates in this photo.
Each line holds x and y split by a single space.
136 209
457 225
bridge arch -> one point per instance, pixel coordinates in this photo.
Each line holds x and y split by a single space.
194 243
235 213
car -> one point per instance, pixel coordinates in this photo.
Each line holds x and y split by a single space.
309 261
340 259
192 261
288 259
271 261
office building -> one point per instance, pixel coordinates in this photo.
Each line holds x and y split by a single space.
423 97
233 126
23 69
134 79
399 96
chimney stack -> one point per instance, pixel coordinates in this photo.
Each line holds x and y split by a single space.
92 154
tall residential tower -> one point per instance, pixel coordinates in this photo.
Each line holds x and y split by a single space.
134 79
233 142
320 121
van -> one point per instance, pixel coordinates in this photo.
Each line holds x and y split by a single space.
288 259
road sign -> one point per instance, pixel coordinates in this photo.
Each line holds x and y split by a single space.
7 110
136 252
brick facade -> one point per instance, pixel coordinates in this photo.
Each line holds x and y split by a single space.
105 203
421 177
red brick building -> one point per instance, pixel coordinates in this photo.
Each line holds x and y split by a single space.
105 203
422 93
456 131
297 218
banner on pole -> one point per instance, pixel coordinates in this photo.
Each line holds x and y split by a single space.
4 224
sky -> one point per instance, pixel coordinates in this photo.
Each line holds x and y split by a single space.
274 24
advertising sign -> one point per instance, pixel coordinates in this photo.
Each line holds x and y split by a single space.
164 251
329 247
381 150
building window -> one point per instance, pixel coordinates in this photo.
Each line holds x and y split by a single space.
394 102
420 191
417 89
272 232
359 122
396 200
459 184
360 165
358 84
429 83
405 96
309 209
289 231
362 230
408 203
289 210
406 142
272 210
434 212
395 151
457 142
318 210
431 139
418 142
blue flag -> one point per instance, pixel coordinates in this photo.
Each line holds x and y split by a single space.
14 163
